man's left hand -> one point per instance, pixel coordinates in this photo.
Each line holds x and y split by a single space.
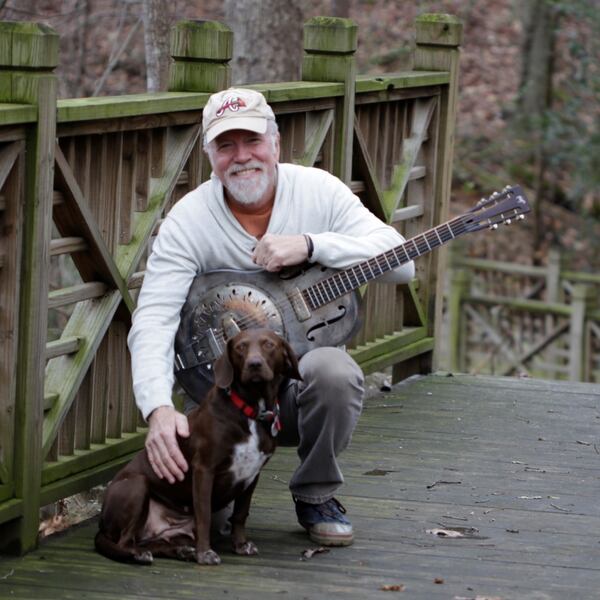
273 252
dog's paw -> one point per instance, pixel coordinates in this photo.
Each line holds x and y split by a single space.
245 549
186 553
210 557
143 558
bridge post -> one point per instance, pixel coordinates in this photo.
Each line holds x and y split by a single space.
438 39
28 56
201 51
583 297
329 55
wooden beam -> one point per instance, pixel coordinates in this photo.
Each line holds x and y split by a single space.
67 245
76 293
65 345
8 157
316 130
74 218
64 374
179 146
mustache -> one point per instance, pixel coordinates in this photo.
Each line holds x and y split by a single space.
255 164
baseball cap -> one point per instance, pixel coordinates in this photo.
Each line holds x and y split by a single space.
235 108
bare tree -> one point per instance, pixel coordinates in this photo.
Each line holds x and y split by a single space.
539 19
156 41
267 39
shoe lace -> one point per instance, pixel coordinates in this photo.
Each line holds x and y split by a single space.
331 508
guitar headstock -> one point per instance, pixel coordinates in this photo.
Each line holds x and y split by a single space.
500 207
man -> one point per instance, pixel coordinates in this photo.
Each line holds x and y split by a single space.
257 213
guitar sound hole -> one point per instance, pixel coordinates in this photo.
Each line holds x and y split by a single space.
325 323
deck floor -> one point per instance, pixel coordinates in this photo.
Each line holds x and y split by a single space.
512 464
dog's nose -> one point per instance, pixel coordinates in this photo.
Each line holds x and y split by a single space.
254 363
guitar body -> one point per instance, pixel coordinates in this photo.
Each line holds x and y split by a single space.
220 303
309 305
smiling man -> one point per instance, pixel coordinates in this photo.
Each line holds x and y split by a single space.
257 212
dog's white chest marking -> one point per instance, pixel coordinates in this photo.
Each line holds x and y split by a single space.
247 459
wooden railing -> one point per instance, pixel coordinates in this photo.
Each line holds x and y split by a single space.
507 319
85 183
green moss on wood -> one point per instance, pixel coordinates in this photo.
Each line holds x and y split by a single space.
25 44
438 30
330 35
208 40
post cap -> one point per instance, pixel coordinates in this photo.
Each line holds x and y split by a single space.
438 29
331 35
27 44
209 40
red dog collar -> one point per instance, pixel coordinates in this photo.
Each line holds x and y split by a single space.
253 413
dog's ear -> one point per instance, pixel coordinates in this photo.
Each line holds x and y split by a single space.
291 362
223 370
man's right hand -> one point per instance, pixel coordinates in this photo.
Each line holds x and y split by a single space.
164 454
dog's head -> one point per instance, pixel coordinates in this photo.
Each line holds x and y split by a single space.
255 356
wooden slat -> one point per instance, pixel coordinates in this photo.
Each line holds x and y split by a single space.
317 128
65 373
63 346
11 241
76 293
180 144
128 187
67 245
74 218
8 157
143 169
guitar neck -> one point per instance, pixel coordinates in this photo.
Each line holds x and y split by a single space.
346 280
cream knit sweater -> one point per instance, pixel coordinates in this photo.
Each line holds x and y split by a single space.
201 234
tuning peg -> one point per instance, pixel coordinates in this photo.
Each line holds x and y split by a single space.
521 217
508 221
494 226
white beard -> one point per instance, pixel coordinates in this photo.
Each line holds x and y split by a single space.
249 190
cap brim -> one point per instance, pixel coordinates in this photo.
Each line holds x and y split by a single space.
256 124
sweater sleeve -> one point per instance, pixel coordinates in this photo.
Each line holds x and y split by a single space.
355 234
169 273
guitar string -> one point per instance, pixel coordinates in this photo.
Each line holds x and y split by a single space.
245 322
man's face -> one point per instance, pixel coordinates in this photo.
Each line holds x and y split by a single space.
246 164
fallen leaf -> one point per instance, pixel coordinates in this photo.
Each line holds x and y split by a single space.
530 497
438 580
392 588
445 533
378 472
52 525
310 552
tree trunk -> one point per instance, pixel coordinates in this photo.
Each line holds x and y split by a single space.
539 19
156 42
340 8
267 39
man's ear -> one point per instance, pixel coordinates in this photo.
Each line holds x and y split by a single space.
223 370
291 362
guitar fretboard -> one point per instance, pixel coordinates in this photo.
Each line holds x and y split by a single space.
347 280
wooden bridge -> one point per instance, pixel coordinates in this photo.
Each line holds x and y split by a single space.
508 466
84 185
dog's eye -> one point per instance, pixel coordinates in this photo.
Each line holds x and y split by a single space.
241 347
268 345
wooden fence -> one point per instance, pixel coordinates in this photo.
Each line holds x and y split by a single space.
507 319
84 184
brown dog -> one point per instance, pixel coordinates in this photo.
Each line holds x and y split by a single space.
231 438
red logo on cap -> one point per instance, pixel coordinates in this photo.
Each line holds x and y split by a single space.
233 103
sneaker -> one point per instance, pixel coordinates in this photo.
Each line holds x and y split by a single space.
325 523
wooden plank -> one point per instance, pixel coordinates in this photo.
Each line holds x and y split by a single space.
180 144
63 346
16 114
408 79
128 201
421 118
8 157
317 128
67 245
131 105
11 223
65 373
479 431
76 293
74 218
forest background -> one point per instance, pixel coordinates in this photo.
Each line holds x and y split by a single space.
529 91
529 109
